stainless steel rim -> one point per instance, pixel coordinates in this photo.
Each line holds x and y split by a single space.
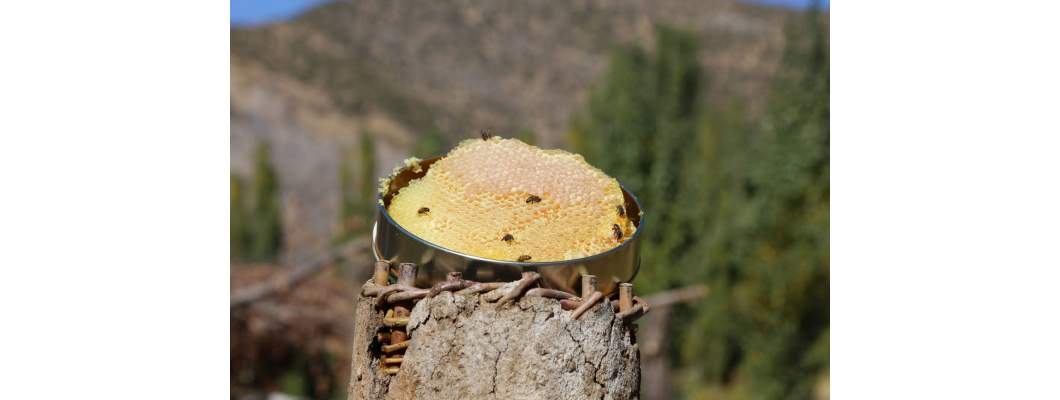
392 242
383 212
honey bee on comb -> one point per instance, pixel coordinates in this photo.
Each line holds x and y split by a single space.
482 187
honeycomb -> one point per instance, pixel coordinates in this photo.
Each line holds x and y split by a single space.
503 199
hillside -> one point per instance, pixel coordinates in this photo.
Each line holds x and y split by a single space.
399 69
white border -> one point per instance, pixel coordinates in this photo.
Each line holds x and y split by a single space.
113 191
945 203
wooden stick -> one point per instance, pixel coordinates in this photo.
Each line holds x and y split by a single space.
381 275
352 250
625 297
588 285
587 304
407 274
529 278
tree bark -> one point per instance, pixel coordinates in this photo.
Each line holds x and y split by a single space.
464 347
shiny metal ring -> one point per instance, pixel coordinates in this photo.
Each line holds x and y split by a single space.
393 243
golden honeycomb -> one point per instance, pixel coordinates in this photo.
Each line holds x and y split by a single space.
503 199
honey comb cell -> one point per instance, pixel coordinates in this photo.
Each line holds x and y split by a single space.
556 204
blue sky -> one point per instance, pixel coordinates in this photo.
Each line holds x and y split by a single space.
257 12
797 4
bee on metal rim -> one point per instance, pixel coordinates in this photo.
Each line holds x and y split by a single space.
533 199
486 133
618 231
423 210
621 211
524 257
508 238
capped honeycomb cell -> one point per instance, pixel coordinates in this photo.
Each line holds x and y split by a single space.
503 199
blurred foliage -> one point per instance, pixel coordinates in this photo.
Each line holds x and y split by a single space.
357 190
430 144
735 201
297 343
637 127
256 226
526 135
237 232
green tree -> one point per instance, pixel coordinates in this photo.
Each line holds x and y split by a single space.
764 252
430 144
256 230
639 126
357 189
237 219
733 200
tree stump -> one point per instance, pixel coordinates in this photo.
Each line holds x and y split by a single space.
463 346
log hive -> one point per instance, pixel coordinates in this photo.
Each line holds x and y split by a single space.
464 346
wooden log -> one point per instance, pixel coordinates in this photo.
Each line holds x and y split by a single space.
463 347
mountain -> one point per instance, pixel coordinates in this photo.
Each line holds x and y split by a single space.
401 69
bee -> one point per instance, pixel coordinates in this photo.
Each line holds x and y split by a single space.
524 257
533 199
423 210
621 211
486 133
618 231
508 237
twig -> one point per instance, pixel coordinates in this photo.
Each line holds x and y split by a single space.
529 278
683 295
587 304
298 274
549 293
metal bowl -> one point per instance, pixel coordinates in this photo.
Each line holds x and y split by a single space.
393 243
